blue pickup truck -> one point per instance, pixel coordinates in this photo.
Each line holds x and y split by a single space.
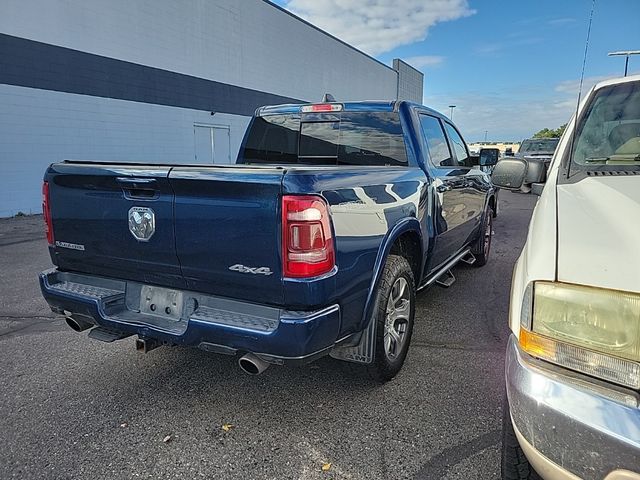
315 243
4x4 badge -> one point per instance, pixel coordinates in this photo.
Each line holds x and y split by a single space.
254 270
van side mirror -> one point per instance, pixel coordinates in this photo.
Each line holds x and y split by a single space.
509 173
488 157
536 188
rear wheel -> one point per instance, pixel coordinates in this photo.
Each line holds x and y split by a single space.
394 312
482 248
514 465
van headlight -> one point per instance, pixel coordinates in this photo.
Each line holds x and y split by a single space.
590 330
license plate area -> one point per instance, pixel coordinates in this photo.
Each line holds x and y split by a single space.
162 302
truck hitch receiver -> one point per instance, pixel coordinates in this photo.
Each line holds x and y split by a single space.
145 345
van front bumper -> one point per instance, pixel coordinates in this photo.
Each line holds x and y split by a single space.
570 425
207 322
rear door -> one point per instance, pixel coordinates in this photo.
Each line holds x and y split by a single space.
452 204
94 208
228 230
475 191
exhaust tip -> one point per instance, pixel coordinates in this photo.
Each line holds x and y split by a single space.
249 367
77 325
252 364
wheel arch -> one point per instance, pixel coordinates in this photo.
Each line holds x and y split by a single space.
404 239
492 201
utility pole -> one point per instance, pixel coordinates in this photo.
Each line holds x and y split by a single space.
626 54
451 107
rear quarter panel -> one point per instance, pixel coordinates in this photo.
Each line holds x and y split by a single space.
369 207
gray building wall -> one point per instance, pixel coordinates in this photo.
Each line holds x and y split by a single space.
138 80
410 81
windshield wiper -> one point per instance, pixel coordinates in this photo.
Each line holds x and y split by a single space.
623 158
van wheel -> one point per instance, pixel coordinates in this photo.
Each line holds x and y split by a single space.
394 312
514 465
482 247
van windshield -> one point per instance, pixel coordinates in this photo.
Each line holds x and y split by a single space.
608 136
346 138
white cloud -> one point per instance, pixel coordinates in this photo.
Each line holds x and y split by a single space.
573 86
504 117
422 61
378 26
560 22
516 113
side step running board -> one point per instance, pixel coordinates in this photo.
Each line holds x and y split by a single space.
106 335
446 279
469 259
443 276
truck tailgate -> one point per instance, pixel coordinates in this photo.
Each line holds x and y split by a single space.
90 206
227 230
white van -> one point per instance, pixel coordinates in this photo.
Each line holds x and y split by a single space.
573 358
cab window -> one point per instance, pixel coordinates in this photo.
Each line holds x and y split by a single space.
436 141
462 154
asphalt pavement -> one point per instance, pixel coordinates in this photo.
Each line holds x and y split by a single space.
76 408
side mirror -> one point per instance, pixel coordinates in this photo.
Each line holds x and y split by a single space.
509 173
488 157
536 188
537 171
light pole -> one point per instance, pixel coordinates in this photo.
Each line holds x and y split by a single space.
626 54
451 107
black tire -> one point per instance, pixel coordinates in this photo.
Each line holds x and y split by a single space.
514 464
388 361
482 247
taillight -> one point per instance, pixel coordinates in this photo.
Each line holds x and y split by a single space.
321 107
307 241
46 212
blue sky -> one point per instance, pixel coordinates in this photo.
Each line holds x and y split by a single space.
511 67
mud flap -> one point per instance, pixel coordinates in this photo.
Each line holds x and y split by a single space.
363 352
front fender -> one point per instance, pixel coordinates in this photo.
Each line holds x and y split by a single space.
403 226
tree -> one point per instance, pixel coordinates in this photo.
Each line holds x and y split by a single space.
547 133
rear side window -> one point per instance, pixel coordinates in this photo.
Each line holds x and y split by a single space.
348 138
436 141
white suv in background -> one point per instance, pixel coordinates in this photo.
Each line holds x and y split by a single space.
573 358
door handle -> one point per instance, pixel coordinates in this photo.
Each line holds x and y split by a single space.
137 182
144 188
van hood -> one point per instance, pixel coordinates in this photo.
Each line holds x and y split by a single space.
599 232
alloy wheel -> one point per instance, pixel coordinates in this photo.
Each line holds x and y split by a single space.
397 320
